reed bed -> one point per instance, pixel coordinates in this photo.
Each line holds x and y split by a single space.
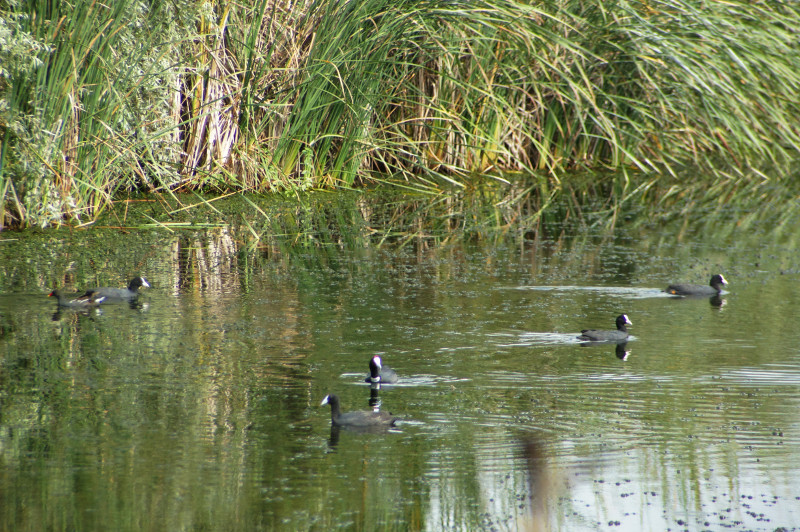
664 102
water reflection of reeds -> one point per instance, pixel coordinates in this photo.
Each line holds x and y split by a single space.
212 388
207 262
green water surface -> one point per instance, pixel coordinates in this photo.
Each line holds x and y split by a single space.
198 407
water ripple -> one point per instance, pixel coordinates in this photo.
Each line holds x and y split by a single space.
533 338
527 339
617 291
409 381
785 375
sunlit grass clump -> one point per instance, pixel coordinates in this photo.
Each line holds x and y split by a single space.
674 98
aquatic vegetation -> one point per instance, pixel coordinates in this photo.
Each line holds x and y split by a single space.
670 104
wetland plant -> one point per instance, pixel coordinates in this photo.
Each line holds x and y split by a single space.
684 101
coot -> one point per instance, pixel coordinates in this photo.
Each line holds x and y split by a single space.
124 294
380 374
595 335
89 299
358 418
713 288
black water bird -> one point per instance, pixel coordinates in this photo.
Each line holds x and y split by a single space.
597 335
380 374
357 418
88 300
712 289
121 294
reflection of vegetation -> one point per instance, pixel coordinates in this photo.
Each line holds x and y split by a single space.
288 96
200 411
485 213
223 245
219 245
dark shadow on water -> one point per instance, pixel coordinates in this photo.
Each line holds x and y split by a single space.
65 312
336 430
606 342
621 350
62 311
374 397
333 440
716 300
135 304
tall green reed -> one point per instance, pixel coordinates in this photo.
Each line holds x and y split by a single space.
86 114
427 95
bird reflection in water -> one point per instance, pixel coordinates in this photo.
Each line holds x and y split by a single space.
622 351
717 301
374 397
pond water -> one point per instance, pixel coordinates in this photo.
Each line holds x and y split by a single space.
199 407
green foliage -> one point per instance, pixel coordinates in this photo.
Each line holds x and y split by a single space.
96 98
86 101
